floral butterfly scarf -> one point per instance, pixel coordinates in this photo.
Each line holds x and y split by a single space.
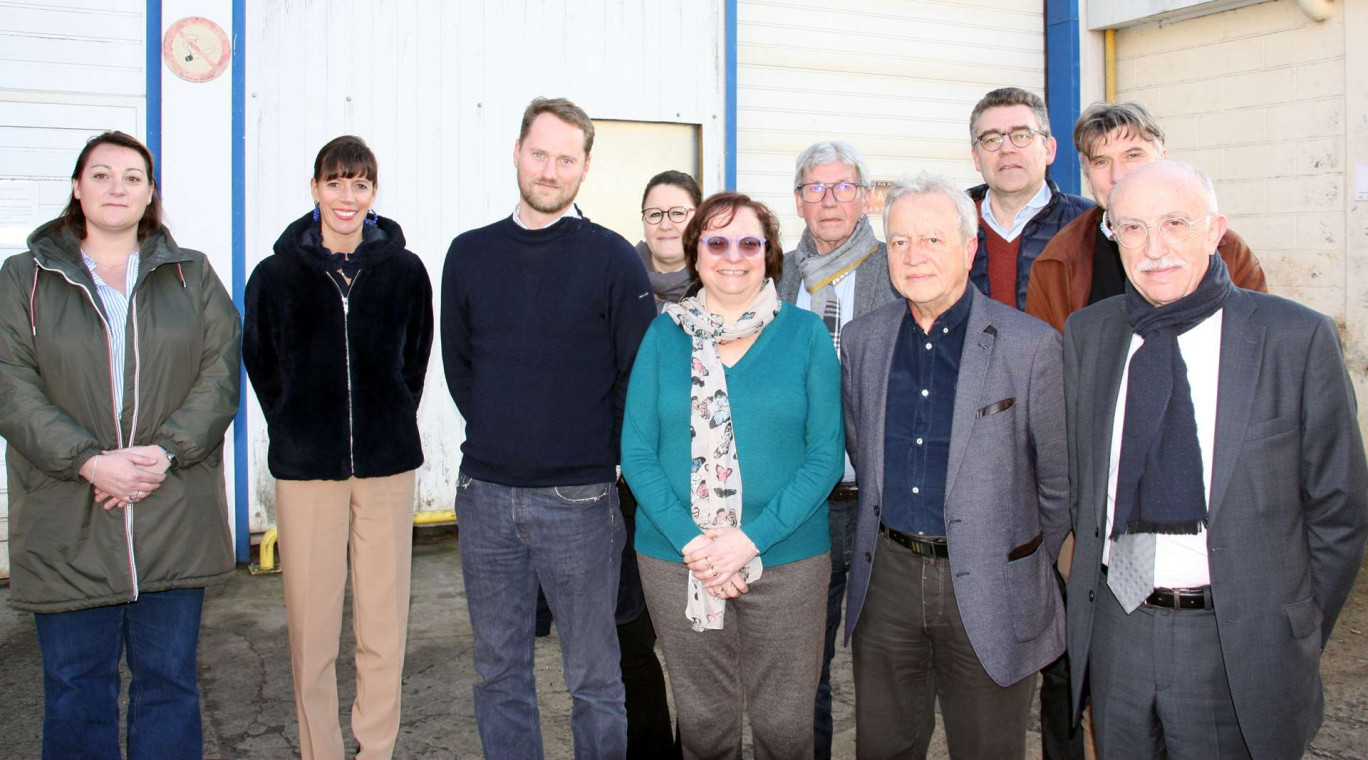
715 478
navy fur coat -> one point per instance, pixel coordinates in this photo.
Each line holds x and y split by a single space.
339 377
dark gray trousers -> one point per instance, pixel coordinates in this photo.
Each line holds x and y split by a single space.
909 649
1159 686
767 657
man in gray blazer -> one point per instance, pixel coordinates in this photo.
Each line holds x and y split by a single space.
954 411
1218 492
840 271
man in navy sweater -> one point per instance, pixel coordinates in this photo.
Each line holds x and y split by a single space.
541 316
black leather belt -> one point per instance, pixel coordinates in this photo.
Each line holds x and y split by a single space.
926 547
1181 598
845 492
1178 598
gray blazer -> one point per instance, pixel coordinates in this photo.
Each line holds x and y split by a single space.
1288 511
1006 484
873 288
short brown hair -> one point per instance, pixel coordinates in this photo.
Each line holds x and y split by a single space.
1009 96
717 211
74 217
565 111
346 156
1099 120
677 179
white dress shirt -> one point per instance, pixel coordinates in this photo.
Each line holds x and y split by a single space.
1179 561
1024 215
845 297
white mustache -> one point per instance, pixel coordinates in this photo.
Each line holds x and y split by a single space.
1167 262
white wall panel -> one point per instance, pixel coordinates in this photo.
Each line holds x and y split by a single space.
437 90
897 78
69 69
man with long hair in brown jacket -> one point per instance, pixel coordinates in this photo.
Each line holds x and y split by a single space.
1082 264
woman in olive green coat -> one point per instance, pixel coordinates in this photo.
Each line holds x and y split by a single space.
118 377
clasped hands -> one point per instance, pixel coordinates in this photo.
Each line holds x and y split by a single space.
125 476
716 559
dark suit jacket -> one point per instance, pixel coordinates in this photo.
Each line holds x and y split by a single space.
1006 483
1286 520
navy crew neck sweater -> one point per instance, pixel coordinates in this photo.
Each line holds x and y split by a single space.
539 331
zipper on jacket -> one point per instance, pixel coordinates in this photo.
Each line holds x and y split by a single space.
117 409
346 340
133 431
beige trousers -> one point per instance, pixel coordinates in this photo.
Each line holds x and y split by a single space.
322 525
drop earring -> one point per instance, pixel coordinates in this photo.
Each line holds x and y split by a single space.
372 218
315 213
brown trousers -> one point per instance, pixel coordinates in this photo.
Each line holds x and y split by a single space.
322 525
767 657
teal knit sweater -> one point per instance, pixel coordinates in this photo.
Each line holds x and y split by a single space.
786 413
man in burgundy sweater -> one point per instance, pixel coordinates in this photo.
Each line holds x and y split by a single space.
1019 208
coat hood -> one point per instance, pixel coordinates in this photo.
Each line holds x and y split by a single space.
54 246
303 242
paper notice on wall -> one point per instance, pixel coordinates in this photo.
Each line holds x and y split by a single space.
18 213
1361 182
17 202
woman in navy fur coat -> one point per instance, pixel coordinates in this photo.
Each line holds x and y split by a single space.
336 342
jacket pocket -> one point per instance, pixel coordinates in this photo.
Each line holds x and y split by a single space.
1304 618
1031 594
995 407
1258 431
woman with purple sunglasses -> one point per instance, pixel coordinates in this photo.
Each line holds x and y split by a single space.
731 440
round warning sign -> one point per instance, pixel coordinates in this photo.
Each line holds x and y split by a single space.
196 49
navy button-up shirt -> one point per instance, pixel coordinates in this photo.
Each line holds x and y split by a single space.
918 420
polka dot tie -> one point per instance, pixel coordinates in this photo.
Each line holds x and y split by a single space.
1130 569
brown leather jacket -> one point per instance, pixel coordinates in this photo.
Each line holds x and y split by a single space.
1061 277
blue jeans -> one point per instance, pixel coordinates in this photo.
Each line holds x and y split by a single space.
569 540
81 651
842 525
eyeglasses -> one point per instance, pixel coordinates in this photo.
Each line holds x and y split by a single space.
814 192
749 245
1021 137
677 214
1174 230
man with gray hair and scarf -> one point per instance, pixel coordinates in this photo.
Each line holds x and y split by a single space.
840 271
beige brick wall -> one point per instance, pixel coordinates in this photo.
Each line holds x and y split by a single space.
1274 107
1256 98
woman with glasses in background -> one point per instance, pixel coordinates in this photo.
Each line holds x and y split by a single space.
666 208
731 440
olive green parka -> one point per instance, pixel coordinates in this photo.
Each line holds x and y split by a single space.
57 410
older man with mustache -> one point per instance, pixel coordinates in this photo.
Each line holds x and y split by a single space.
1217 489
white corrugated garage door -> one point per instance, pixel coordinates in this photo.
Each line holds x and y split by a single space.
897 78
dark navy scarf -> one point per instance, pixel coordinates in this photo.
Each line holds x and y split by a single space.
1159 486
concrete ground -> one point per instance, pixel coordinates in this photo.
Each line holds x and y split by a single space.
249 706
